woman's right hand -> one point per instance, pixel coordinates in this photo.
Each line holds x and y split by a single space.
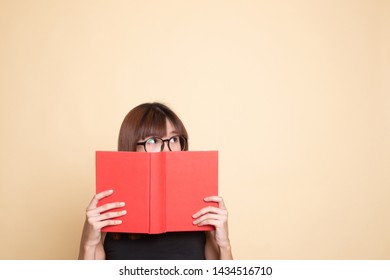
98 217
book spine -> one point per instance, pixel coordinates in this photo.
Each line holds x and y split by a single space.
157 221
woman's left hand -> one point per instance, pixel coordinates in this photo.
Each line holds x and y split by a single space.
217 217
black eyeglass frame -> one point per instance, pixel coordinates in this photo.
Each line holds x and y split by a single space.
163 142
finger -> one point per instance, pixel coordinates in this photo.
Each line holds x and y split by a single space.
207 217
105 207
212 222
209 209
106 216
217 199
98 197
96 212
100 225
109 206
111 215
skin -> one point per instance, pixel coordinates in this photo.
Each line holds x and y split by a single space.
217 241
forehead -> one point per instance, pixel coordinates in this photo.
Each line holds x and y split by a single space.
170 128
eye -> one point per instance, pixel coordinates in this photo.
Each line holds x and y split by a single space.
152 141
174 139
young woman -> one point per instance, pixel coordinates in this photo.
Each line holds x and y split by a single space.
153 127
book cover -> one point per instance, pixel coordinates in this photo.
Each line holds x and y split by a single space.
161 190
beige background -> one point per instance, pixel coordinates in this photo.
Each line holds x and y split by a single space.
294 94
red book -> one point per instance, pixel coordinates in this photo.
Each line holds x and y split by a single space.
161 190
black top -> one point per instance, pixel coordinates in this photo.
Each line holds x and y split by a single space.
166 246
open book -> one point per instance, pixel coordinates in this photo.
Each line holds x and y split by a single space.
161 190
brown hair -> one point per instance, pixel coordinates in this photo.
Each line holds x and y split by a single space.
147 119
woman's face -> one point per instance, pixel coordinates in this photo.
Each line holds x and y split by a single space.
170 132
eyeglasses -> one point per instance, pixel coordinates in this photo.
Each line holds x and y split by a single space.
156 144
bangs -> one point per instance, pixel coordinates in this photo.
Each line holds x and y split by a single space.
154 123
